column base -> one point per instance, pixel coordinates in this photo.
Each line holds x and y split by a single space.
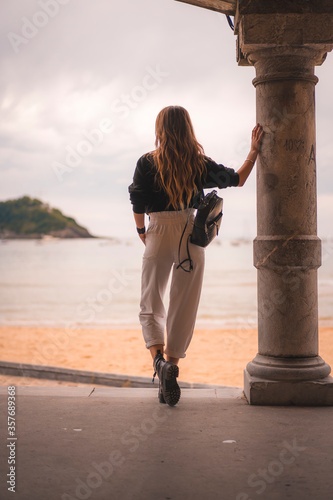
264 392
287 368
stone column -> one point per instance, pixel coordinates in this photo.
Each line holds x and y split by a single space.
284 48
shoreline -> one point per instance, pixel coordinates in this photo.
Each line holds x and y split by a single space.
215 356
68 325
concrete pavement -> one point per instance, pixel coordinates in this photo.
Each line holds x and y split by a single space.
105 443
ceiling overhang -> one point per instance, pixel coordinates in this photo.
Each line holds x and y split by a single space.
224 6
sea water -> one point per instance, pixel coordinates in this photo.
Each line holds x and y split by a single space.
96 283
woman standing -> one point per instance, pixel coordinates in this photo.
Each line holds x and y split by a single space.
165 183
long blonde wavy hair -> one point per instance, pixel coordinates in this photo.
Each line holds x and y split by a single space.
179 157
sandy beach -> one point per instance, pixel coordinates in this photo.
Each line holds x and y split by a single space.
214 356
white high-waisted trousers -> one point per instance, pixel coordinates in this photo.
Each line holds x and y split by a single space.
159 259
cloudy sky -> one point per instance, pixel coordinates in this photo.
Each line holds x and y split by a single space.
81 85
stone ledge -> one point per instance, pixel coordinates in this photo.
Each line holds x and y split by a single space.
88 377
120 392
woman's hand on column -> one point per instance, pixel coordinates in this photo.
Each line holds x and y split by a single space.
248 164
256 137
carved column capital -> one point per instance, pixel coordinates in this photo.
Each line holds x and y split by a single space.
303 35
285 63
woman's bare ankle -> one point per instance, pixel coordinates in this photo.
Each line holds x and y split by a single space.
175 361
155 348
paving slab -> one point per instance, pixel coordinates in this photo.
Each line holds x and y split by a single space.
104 443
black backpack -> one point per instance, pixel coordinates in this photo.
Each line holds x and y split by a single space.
206 225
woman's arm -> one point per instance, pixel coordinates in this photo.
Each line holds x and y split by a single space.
248 165
140 223
140 193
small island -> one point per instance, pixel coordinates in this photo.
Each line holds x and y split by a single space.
30 218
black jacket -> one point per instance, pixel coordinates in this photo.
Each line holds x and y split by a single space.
147 197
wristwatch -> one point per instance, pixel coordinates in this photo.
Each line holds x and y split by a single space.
141 230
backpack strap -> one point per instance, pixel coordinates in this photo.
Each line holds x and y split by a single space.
188 251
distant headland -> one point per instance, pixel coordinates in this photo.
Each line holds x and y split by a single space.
30 218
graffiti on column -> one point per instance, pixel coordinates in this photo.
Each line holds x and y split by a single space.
312 156
294 144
